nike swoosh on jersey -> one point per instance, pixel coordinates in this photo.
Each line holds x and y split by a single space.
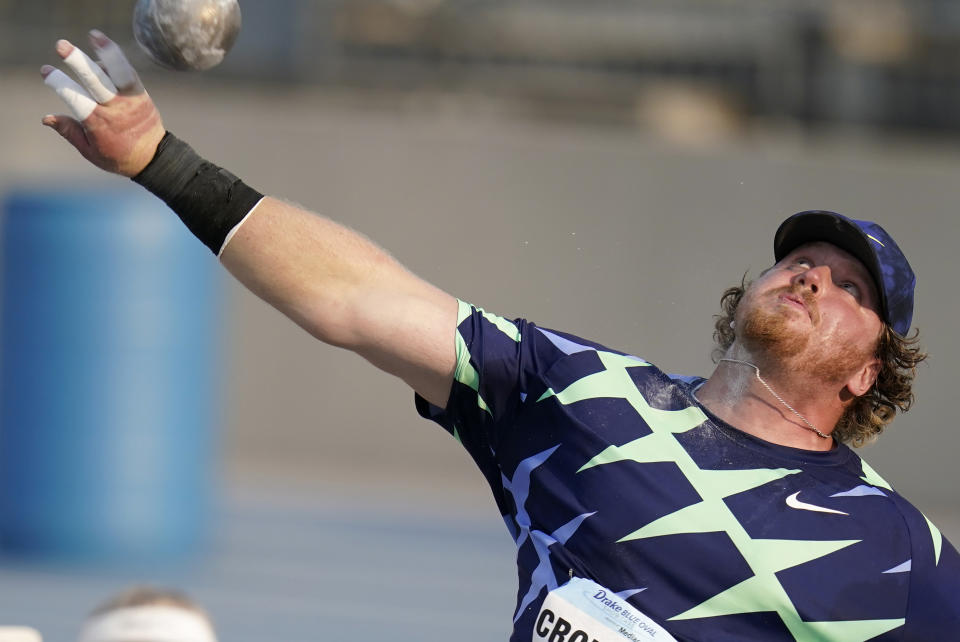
793 502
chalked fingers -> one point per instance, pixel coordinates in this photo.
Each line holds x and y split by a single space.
91 76
115 124
76 97
116 64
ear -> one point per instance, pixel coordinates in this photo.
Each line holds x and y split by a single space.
863 379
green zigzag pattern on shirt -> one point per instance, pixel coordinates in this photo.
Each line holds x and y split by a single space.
465 373
506 327
871 477
615 381
937 540
763 591
848 631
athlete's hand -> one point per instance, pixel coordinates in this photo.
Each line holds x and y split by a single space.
115 125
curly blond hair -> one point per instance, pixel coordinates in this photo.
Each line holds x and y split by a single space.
867 415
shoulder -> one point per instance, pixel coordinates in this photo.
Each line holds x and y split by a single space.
921 530
933 609
482 330
546 362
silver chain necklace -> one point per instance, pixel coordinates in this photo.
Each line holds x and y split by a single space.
809 425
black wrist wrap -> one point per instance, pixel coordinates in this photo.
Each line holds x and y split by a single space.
207 198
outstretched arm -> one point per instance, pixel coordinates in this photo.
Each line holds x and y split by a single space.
348 292
332 281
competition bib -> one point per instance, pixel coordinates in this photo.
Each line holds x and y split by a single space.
583 611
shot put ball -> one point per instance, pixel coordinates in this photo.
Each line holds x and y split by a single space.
186 35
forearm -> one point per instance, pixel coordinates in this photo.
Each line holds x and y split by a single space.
319 273
330 280
348 292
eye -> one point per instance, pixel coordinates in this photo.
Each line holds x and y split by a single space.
852 288
803 263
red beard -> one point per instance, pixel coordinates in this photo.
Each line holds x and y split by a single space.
769 331
767 328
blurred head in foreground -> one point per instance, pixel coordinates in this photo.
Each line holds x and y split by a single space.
146 614
19 634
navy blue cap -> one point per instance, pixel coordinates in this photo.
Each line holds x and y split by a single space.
869 243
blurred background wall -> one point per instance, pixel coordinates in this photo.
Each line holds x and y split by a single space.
604 168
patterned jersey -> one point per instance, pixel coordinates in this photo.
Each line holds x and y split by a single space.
607 469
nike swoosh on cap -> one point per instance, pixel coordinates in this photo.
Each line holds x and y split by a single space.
793 502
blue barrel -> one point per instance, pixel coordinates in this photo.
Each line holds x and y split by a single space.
110 325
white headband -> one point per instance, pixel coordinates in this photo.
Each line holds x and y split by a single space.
19 634
148 624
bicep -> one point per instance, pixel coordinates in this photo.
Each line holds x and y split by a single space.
412 336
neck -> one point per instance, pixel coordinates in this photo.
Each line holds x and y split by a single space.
763 402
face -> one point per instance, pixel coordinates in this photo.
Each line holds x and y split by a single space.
816 311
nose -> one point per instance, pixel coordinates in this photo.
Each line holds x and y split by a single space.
813 279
